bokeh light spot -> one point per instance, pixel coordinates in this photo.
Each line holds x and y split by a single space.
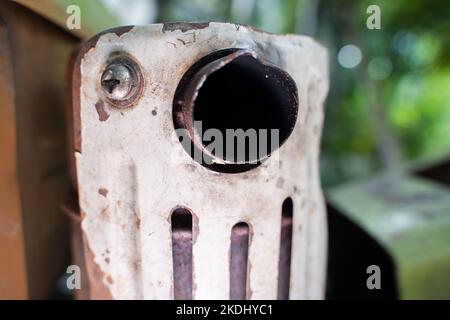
349 56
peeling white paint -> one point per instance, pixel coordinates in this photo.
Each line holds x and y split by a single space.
130 156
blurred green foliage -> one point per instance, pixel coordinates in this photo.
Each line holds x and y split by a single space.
394 106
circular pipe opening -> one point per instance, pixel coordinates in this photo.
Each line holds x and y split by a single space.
236 109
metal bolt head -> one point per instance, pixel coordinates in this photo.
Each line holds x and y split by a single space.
121 82
117 81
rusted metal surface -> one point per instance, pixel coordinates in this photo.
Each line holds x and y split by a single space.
135 155
35 149
98 289
71 209
13 281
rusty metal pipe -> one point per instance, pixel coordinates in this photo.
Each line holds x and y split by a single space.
235 89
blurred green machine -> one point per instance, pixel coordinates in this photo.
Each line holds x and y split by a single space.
399 221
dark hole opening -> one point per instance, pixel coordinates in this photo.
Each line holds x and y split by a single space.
181 221
247 94
231 89
239 261
284 263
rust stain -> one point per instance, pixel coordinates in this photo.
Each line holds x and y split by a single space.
137 265
102 114
74 77
105 214
138 222
119 31
98 289
184 26
103 192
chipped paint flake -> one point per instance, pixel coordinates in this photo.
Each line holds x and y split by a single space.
102 114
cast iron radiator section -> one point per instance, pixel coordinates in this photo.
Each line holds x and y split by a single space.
157 221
